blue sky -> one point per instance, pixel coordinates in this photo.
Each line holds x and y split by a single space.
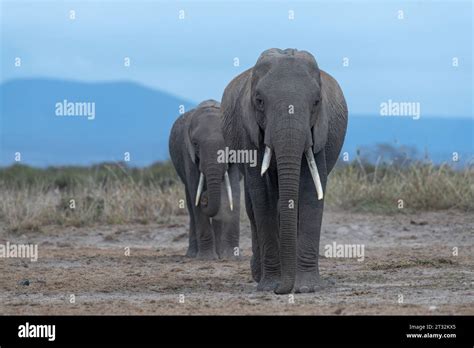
389 58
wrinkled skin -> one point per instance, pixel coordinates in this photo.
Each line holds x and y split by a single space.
287 103
195 139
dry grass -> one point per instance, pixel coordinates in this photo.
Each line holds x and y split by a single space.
116 194
110 194
420 187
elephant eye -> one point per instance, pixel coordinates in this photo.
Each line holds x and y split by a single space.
315 105
259 102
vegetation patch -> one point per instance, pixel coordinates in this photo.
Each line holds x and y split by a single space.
113 193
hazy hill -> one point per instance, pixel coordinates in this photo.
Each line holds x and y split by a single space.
128 117
137 119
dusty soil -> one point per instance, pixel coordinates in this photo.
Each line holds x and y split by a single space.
409 255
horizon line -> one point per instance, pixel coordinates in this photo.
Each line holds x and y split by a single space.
188 100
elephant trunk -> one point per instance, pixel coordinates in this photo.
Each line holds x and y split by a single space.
288 151
213 174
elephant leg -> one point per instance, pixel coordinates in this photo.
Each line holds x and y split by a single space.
229 242
218 227
255 262
267 235
310 215
205 236
265 211
192 246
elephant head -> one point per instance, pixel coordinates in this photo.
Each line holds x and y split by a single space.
203 138
286 114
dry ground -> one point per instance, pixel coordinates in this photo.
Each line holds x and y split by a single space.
405 254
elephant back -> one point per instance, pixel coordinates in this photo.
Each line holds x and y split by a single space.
210 103
232 110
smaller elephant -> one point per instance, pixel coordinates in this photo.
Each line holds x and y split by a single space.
212 188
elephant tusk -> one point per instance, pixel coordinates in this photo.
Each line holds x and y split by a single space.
229 190
314 172
266 160
199 189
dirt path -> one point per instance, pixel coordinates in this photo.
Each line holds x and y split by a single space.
405 255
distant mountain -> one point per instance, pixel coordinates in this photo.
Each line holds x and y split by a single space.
436 138
128 118
136 119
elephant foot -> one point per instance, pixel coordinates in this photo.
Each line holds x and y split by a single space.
228 254
268 283
206 255
256 268
192 252
310 282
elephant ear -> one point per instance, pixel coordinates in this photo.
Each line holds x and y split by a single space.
187 138
321 126
250 120
237 112
321 112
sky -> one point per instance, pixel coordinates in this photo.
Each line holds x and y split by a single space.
407 59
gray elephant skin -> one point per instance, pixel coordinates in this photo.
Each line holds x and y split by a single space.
212 188
295 116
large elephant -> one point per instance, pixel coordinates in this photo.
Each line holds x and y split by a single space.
212 188
295 116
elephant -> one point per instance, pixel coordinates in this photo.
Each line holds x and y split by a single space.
295 116
212 188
